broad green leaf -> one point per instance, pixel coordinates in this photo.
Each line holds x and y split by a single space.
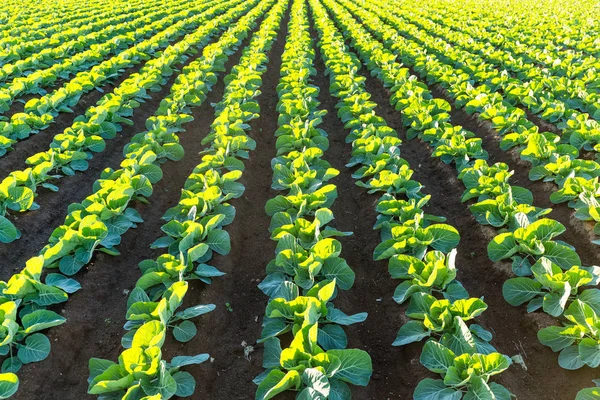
60 281
517 291
436 358
588 394
589 352
356 367
9 383
218 240
8 232
186 384
332 337
445 237
502 246
338 390
195 311
185 331
479 390
97 366
36 348
318 382
182 361
561 255
152 333
41 319
412 331
271 353
12 364
277 382
569 358
435 389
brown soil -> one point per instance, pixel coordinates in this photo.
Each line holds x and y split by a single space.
481 277
95 314
36 226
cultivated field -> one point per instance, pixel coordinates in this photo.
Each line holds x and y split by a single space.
309 199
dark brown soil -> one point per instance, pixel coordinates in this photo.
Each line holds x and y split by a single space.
36 226
481 277
395 369
95 315
223 331
15 159
578 232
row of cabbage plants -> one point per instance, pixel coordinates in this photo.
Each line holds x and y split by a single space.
307 272
70 151
100 220
550 274
420 248
194 232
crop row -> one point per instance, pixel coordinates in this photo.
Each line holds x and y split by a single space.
44 69
304 277
70 151
41 112
554 158
421 250
194 232
98 222
550 274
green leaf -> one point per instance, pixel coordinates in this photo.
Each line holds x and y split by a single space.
8 232
9 384
404 291
554 304
12 364
165 385
182 361
70 265
500 391
445 237
412 331
436 357
186 384
356 366
502 246
174 151
339 317
561 255
589 352
97 366
517 291
271 353
588 394
36 348
277 382
551 337
195 311
332 337
479 390
318 386
218 240
546 229
338 269
114 378
435 389
152 333
569 358
41 319
21 198
338 390
185 331
60 281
